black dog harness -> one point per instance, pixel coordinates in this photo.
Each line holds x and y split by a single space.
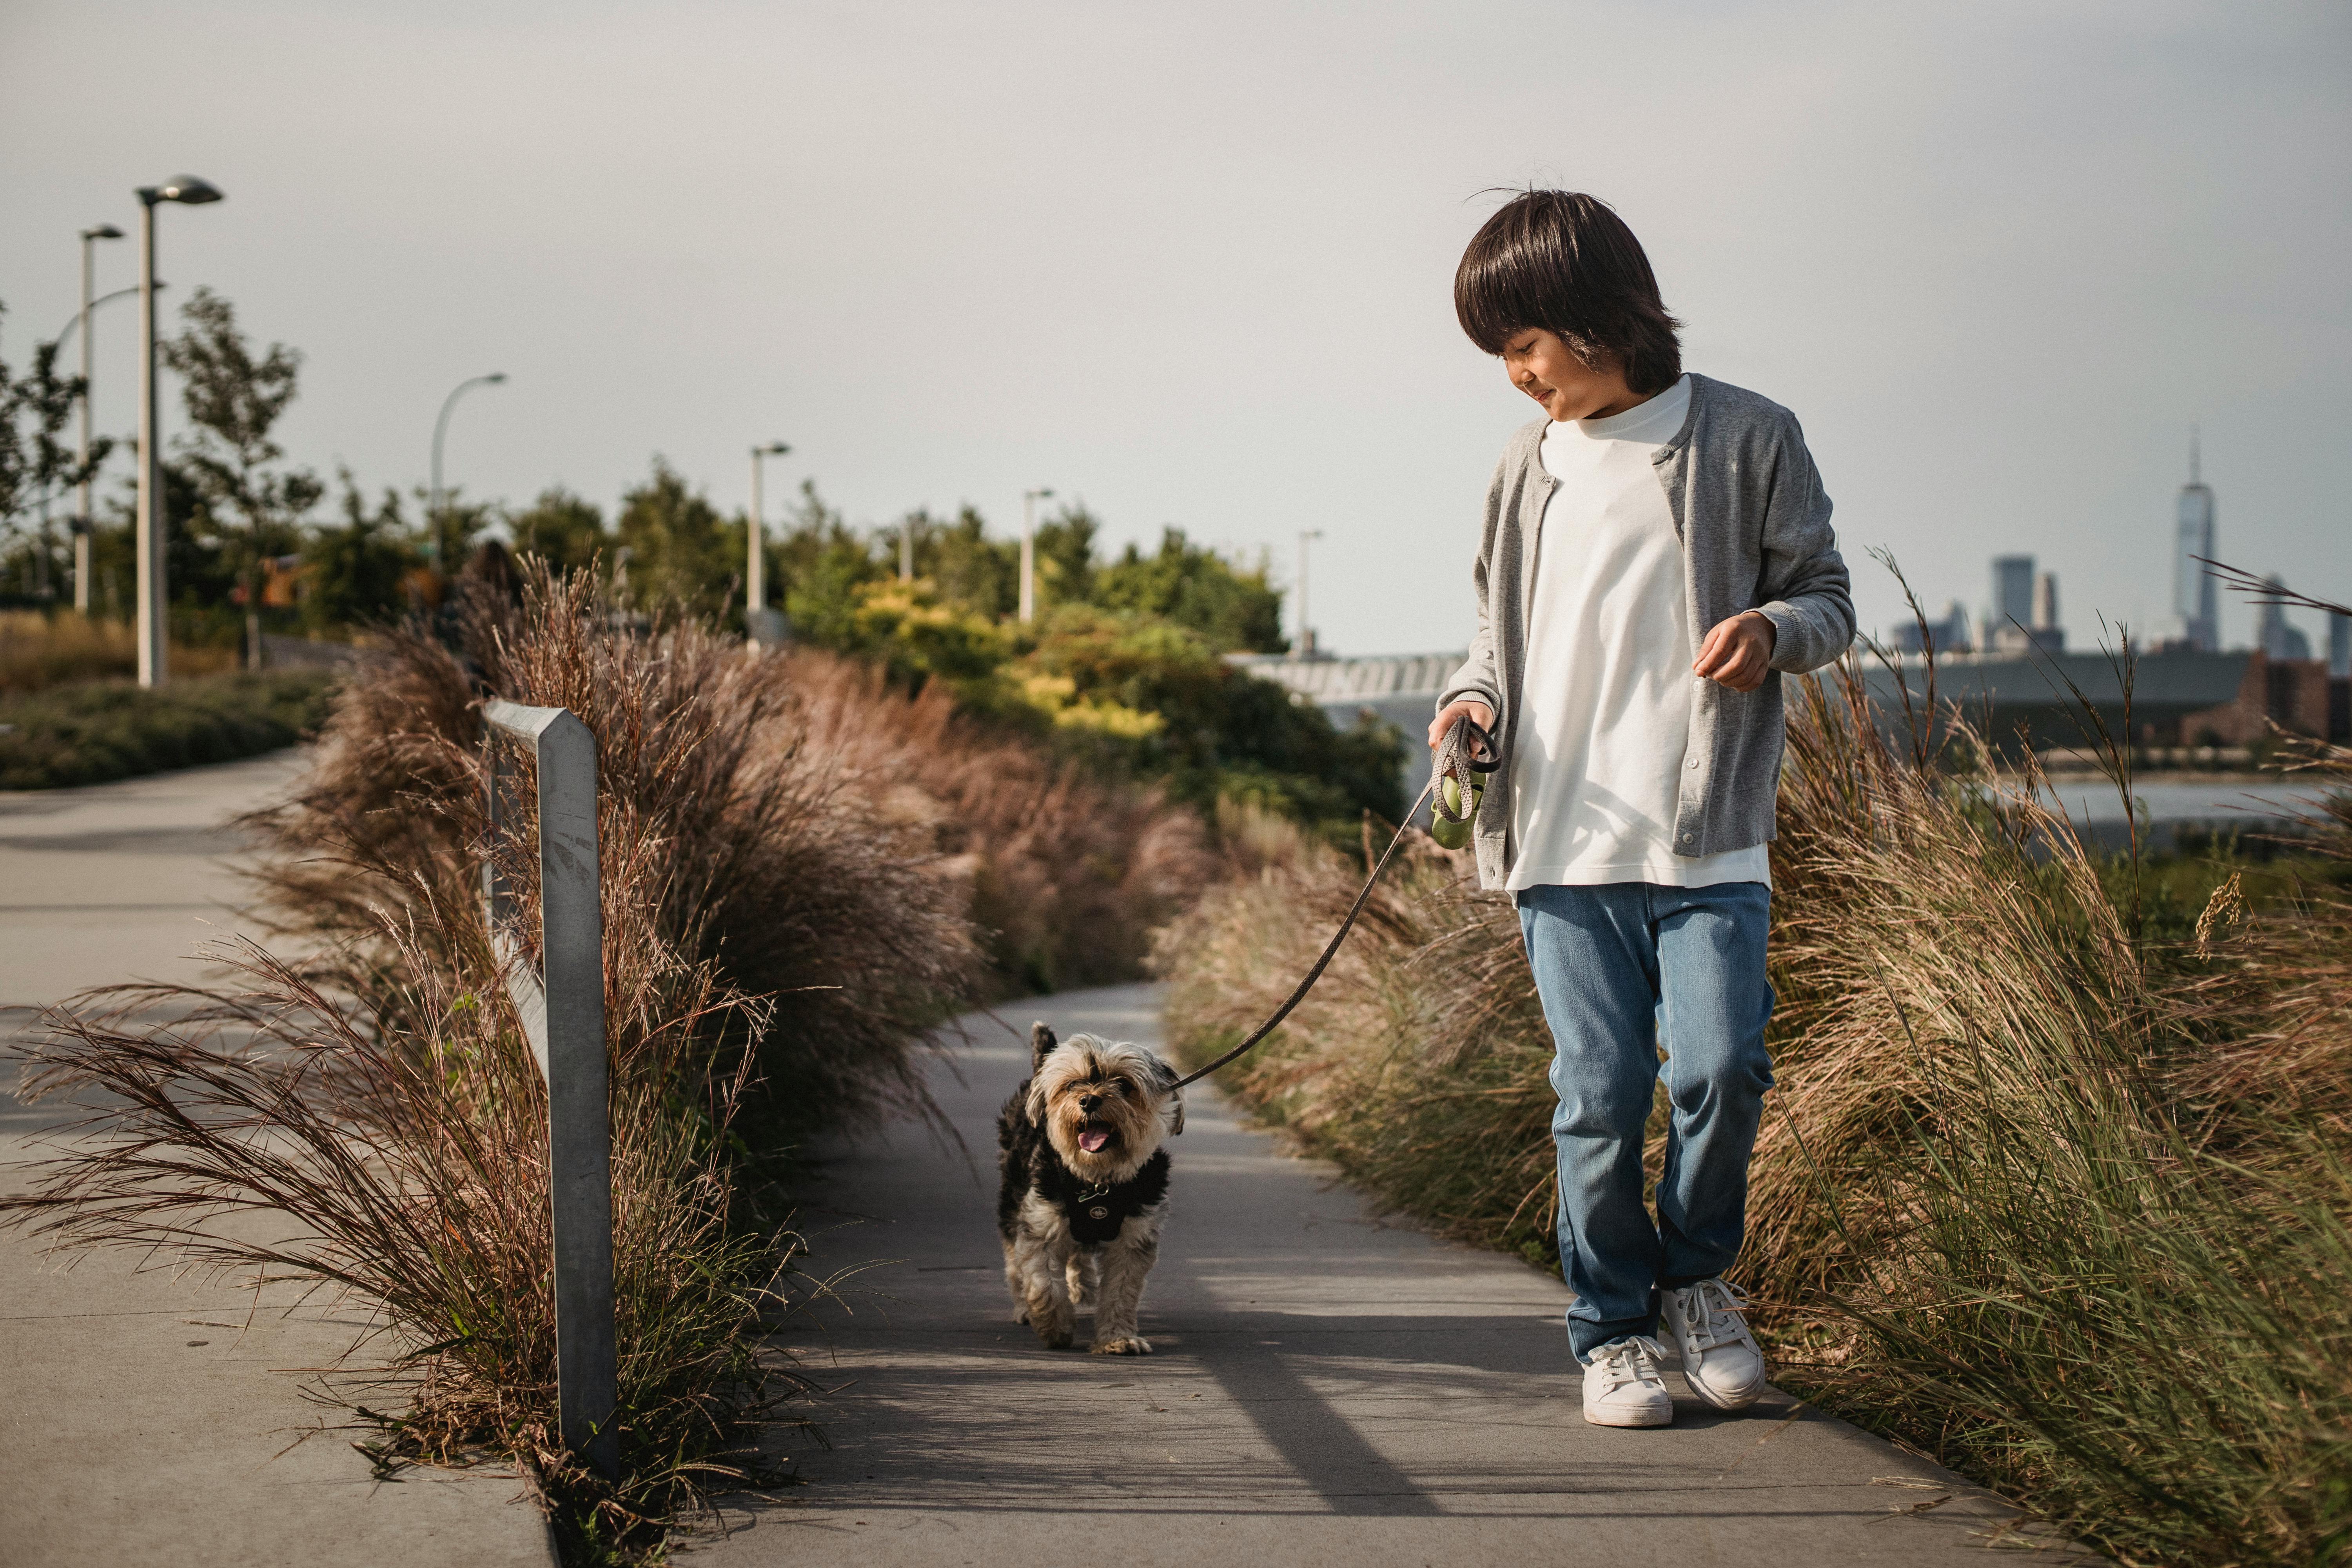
1095 1212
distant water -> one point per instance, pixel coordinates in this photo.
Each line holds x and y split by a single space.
2220 801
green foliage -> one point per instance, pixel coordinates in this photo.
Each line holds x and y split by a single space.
824 565
564 530
907 630
38 471
680 554
356 570
90 731
248 509
1219 730
1123 667
1133 695
1236 609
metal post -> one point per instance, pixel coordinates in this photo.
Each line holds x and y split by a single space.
154 514
563 1013
153 660
761 623
433 497
81 454
1029 552
1305 649
755 570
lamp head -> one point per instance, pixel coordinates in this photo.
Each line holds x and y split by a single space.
103 231
185 188
495 378
773 449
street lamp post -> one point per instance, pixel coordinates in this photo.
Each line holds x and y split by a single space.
441 428
1305 649
759 626
1029 500
82 521
83 321
153 660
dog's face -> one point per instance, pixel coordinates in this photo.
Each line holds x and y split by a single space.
1105 1107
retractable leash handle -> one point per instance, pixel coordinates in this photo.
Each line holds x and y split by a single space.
1458 776
1468 753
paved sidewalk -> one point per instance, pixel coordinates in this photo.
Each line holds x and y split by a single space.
142 1415
1327 1389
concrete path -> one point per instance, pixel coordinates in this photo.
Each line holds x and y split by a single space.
143 1414
1327 1389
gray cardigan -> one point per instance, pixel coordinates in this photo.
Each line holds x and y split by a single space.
1755 527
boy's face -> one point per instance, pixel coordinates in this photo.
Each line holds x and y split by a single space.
1546 370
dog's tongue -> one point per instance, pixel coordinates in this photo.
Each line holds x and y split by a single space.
1092 1139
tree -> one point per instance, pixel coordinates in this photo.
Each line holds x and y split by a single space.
35 467
1065 557
1235 608
675 549
822 564
357 571
971 569
564 530
251 506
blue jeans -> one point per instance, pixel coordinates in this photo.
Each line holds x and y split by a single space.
1618 967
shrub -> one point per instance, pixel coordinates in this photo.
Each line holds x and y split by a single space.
89 732
775 864
1129 694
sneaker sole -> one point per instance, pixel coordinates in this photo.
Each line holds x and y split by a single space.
1631 1418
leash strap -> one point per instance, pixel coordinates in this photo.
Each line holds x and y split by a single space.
1466 746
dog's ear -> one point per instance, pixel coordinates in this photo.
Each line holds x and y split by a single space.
1041 1046
1167 1077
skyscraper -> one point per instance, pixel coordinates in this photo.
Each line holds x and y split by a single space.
2048 634
2195 598
2011 610
2274 633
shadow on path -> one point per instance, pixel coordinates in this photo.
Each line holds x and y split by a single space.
1326 1387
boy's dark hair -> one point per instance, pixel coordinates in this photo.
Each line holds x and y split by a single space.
1563 261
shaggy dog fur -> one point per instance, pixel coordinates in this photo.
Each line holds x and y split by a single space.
1085 1186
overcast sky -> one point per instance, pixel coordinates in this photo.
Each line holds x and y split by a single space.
1192 263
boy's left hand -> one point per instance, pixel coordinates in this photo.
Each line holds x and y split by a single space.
1739 652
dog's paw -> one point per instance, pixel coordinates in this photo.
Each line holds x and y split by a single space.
1053 1338
1131 1345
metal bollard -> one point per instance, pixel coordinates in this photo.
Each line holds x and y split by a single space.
562 1017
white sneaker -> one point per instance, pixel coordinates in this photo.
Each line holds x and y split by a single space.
1721 1359
1622 1388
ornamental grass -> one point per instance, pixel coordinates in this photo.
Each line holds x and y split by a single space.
2048 1192
796 864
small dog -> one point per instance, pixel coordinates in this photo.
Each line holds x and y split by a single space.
1085 1186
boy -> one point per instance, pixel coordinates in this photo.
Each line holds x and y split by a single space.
1657 551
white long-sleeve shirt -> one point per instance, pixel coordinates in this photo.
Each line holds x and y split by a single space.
1605 719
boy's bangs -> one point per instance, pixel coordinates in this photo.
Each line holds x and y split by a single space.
1563 261
1512 277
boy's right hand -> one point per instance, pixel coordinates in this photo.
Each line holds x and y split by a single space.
1477 712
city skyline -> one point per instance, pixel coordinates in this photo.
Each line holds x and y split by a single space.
2024 597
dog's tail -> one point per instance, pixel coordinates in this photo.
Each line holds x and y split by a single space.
1041 1046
